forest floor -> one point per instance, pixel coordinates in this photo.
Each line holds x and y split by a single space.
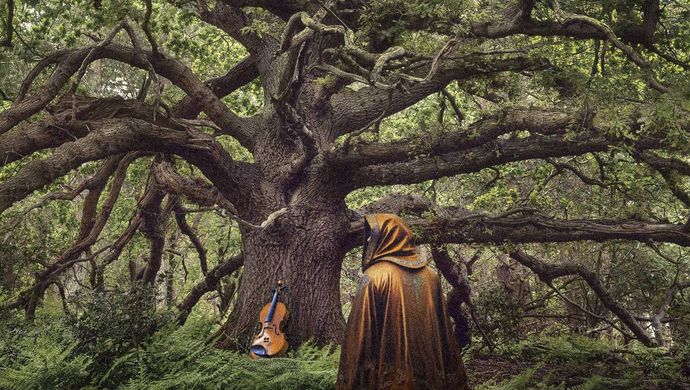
56 353
489 372
483 369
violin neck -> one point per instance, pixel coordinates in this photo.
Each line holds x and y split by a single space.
272 309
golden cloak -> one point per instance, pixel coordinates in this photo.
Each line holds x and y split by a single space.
398 335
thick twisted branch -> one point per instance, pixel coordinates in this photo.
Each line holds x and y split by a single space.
355 109
456 225
173 70
54 131
208 284
548 272
530 228
479 133
496 152
115 136
241 74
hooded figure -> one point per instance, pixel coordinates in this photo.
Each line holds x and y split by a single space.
398 335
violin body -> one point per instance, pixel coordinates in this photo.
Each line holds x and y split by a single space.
271 340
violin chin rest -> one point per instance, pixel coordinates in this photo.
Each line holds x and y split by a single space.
258 350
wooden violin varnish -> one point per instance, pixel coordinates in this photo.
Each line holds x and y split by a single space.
271 340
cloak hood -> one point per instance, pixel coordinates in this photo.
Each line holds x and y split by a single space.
391 240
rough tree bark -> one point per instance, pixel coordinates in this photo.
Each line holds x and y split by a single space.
305 250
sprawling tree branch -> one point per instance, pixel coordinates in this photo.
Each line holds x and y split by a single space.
241 74
61 127
91 184
92 225
457 225
479 133
516 19
522 23
24 108
180 75
209 283
354 109
496 152
664 163
548 272
115 136
537 228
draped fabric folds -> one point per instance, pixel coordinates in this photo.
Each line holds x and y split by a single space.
398 334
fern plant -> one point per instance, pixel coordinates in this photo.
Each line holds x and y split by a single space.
179 358
45 363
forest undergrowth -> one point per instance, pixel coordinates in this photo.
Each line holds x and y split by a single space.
63 353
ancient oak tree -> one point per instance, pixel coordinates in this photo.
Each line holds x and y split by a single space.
333 77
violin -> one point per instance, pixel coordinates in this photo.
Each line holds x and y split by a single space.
271 340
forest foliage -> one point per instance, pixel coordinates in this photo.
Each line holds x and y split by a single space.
57 353
533 331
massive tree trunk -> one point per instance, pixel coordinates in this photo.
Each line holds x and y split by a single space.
298 234
304 249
